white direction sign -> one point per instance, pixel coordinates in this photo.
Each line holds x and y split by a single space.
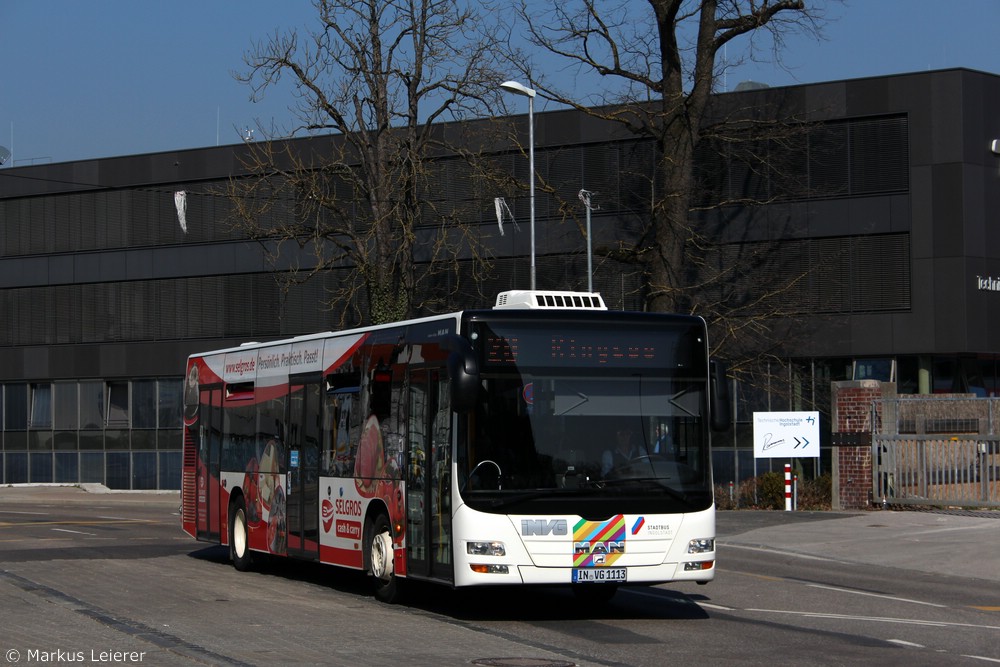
785 435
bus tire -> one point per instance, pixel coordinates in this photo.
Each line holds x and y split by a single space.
239 536
380 559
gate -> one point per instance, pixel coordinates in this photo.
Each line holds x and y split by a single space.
931 470
936 451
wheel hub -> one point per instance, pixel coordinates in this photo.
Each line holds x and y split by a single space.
382 565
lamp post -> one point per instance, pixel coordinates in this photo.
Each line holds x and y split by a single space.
584 196
518 89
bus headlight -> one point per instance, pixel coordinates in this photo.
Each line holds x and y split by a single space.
485 549
702 545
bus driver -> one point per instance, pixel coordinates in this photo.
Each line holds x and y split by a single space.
623 452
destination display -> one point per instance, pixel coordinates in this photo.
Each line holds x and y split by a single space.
588 348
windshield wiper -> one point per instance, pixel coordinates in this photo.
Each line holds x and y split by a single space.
515 498
622 482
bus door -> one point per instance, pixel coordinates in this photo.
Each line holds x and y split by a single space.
304 432
208 510
428 476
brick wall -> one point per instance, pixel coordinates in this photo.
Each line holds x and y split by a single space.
852 427
855 480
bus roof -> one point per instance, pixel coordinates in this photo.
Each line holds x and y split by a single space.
509 300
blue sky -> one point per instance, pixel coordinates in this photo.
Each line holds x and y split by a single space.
96 78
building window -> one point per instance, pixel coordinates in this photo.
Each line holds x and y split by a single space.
117 470
92 405
15 399
66 411
883 370
67 431
41 468
117 404
41 406
842 158
67 468
170 404
144 404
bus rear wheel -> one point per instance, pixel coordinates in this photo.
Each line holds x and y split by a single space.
380 559
239 546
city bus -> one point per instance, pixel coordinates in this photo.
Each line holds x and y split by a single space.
546 441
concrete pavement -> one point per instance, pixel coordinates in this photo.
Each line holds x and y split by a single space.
98 494
965 544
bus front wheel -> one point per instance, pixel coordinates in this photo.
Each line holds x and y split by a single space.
380 559
239 548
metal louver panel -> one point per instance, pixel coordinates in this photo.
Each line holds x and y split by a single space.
881 273
879 155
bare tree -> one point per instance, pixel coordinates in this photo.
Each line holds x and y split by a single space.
378 78
659 62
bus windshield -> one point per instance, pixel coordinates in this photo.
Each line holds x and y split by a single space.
609 415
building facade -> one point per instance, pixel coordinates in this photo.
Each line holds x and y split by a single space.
877 217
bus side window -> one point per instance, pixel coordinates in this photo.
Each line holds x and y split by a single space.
381 389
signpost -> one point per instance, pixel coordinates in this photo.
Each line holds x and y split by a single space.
786 435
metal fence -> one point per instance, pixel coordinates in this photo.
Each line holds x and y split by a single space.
936 451
931 470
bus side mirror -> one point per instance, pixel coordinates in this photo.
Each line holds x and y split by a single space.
463 373
720 408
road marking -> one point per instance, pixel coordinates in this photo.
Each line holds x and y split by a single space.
793 554
877 619
841 589
75 532
36 539
975 606
876 595
661 595
981 657
683 600
905 643
949 529
752 575
4 524
13 512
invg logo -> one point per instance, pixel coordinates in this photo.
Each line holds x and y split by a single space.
536 527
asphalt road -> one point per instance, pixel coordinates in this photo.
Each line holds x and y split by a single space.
110 579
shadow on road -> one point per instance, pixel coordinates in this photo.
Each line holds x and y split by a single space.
533 604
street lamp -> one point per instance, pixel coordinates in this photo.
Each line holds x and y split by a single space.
518 89
584 196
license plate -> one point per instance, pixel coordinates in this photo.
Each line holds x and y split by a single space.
600 575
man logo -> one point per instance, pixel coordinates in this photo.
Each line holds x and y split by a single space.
532 527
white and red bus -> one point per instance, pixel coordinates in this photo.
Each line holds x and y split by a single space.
547 441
